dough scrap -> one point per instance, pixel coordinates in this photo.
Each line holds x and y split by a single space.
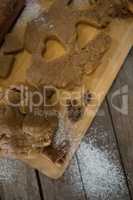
25 132
67 71
60 20
95 50
103 11
57 155
60 72
52 24
40 129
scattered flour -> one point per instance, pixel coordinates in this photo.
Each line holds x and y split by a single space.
32 10
10 170
101 171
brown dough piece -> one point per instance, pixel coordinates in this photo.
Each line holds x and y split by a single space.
60 72
28 97
57 155
60 21
81 4
19 144
67 71
10 120
40 129
13 121
17 96
12 44
9 11
14 96
95 51
23 133
34 35
103 11
89 58
6 64
40 124
4 142
52 24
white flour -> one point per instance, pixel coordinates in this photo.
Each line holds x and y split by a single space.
32 10
10 171
102 174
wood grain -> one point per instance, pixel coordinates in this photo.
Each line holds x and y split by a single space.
17 181
67 187
123 122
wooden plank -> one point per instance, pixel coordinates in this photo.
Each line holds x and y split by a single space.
123 120
99 161
68 187
17 181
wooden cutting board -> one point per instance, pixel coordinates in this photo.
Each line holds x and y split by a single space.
98 83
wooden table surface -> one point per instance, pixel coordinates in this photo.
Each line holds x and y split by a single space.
102 169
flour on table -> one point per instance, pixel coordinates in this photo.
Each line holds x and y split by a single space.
10 170
102 173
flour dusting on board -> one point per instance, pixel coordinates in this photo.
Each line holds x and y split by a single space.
101 170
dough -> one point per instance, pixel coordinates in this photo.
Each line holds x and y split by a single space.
12 44
67 71
6 64
25 132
